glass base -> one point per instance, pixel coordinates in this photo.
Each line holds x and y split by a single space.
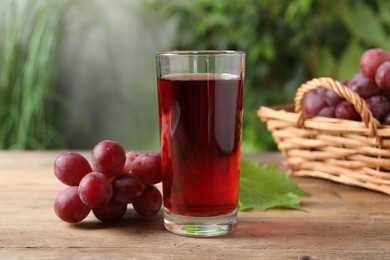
200 226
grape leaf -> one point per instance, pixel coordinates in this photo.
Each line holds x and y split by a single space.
266 187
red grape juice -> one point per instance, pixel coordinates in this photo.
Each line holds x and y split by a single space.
200 131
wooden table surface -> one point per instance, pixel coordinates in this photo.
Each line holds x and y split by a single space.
339 222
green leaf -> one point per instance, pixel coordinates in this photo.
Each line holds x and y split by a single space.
265 187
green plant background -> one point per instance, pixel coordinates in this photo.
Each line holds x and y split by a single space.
27 57
286 43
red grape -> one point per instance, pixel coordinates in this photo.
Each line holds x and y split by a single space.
386 119
344 82
321 91
147 167
127 187
69 207
364 86
382 77
379 106
112 211
108 157
149 202
71 167
327 112
371 60
386 93
95 189
346 110
313 103
130 157
332 98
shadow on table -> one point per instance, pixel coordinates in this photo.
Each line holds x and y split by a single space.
130 221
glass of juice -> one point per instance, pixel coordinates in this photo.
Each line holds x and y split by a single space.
200 97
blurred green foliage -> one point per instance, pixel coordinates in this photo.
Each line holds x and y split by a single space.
286 42
28 104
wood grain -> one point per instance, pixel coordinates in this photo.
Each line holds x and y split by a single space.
339 222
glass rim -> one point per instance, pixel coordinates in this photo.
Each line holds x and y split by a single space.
200 53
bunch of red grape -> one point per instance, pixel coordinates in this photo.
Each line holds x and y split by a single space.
113 180
372 84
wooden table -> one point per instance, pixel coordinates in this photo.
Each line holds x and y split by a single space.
339 222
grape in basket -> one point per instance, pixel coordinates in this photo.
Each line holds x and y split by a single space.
372 84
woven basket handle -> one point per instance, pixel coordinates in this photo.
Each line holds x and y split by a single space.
329 83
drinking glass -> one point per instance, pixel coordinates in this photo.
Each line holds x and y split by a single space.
200 97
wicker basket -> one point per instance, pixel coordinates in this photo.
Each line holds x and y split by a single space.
345 151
